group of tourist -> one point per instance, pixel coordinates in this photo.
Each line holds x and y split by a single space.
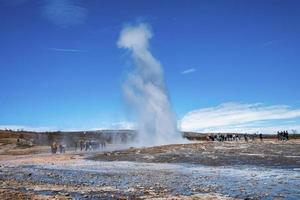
283 135
234 137
55 146
224 137
89 145
253 137
82 145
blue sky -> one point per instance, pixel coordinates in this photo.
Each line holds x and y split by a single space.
60 66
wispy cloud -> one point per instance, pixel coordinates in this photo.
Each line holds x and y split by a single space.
64 13
66 50
188 71
271 43
240 117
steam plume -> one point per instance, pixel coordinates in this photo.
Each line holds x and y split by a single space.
145 89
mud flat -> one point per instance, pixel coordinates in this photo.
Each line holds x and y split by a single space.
205 170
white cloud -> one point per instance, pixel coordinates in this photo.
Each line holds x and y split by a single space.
64 13
239 118
65 50
188 71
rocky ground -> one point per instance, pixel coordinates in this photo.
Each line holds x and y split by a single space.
270 153
205 170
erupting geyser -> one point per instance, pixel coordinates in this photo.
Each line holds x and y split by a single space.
145 90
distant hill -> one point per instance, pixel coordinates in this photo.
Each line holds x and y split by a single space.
109 136
70 137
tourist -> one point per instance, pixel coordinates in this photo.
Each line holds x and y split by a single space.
81 145
246 137
60 148
54 147
75 146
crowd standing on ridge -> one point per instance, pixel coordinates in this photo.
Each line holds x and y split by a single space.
220 137
81 145
230 137
283 136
